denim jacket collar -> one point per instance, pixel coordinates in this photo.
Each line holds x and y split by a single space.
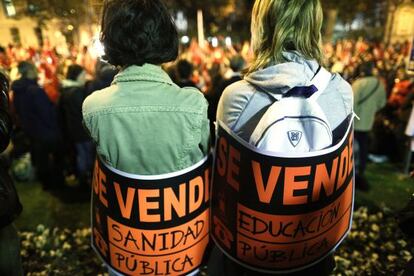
147 72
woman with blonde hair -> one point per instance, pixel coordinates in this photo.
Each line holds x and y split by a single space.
286 41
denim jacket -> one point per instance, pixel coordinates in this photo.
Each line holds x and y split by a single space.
145 124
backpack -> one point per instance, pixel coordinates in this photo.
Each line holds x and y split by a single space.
296 122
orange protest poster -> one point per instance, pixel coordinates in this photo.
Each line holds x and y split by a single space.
279 212
151 225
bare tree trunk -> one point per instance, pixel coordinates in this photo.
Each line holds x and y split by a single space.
331 16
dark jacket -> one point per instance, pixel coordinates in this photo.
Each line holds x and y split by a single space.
186 83
35 112
104 78
10 206
215 94
70 113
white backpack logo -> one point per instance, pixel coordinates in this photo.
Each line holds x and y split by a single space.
295 124
294 137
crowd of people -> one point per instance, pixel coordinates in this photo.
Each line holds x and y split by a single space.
152 131
382 98
215 68
48 119
47 92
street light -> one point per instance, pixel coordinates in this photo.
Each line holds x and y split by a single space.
228 41
185 39
214 42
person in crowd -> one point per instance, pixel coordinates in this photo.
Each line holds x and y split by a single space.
214 78
287 54
10 207
37 116
73 93
144 124
104 76
4 59
85 60
50 83
401 91
399 107
369 98
237 64
184 74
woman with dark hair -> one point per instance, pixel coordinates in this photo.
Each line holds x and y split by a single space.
286 41
144 124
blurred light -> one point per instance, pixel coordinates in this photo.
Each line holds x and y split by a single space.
49 60
70 27
10 10
218 55
214 42
72 11
14 73
31 7
98 48
185 39
181 22
228 41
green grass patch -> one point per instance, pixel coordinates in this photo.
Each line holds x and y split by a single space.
68 208
389 188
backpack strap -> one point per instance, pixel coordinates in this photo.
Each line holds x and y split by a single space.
320 81
318 84
251 124
309 94
247 128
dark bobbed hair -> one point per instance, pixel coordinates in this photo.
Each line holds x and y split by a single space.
135 32
27 70
367 69
184 69
237 63
74 71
